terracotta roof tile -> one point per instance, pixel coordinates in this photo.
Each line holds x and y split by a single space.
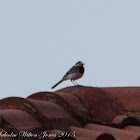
28 121
132 128
97 100
128 96
75 111
86 134
122 121
75 102
90 113
58 117
119 134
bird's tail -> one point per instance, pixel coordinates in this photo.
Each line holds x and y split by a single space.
57 84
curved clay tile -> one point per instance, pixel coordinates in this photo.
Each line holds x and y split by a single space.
102 105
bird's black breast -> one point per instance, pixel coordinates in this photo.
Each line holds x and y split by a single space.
81 69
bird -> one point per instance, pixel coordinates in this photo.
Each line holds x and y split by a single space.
76 72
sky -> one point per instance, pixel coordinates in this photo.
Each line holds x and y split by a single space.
41 40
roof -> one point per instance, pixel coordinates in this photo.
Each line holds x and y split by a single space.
78 113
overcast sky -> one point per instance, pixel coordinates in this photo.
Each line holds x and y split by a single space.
40 40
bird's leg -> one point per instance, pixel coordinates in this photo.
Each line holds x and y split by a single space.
73 82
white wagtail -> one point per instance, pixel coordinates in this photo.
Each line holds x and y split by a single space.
74 73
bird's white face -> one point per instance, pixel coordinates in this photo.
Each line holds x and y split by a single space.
79 63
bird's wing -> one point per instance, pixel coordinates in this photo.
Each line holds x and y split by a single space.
72 70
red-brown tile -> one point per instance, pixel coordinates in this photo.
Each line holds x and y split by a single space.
132 128
23 104
73 100
20 120
68 109
119 134
128 96
85 134
59 118
102 105
123 120
119 119
71 104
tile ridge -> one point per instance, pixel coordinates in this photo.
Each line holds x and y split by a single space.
54 97
25 105
9 128
128 120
